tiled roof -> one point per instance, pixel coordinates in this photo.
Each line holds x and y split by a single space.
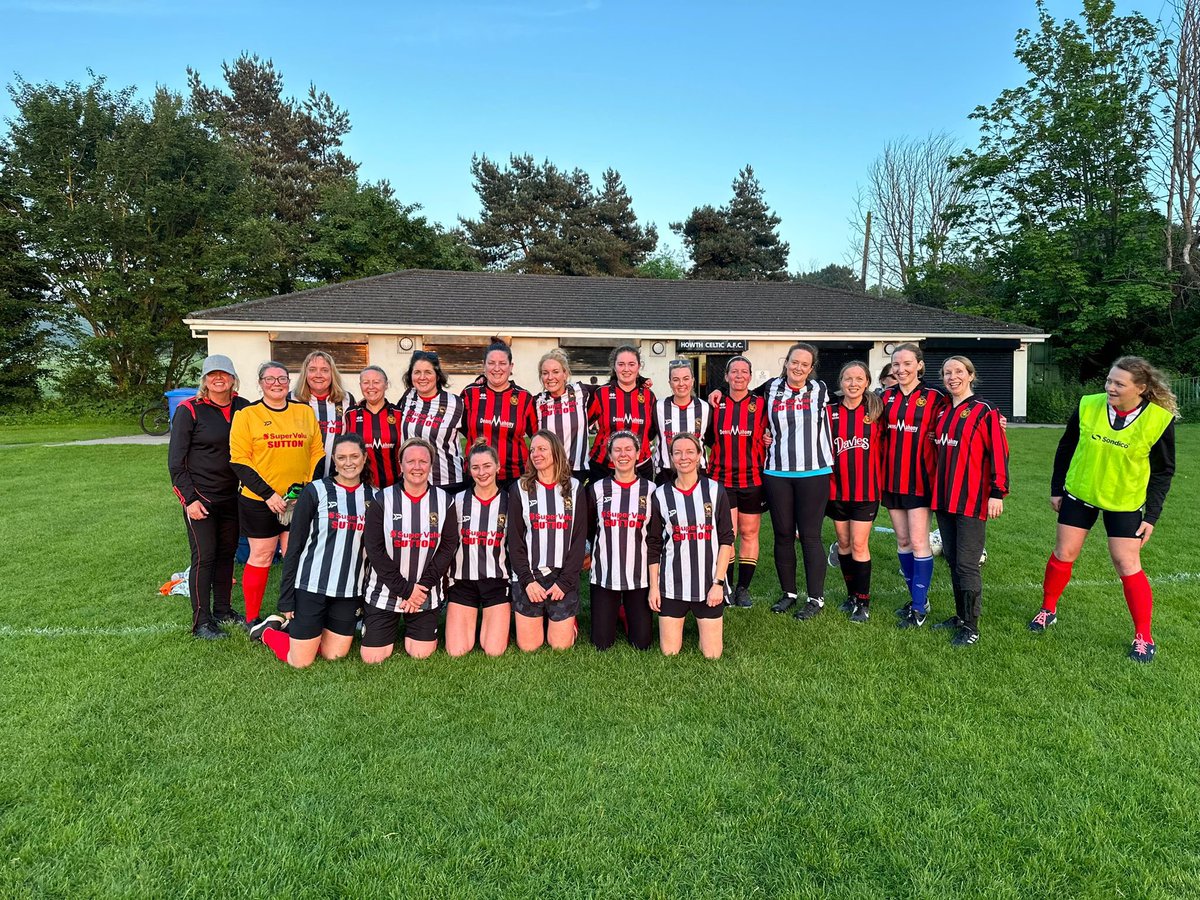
493 300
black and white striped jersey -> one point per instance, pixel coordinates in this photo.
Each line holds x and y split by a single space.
482 531
438 420
547 531
325 552
800 439
410 540
567 417
331 417
673 419
687 531
620 517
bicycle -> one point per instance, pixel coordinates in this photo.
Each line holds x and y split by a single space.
156 420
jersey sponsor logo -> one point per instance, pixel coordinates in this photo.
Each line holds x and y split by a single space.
900 426
422 539
286 439
856 443
685 533
472 538
946 441
342 522
550 521
1107 440
612 519
796 404
736 431
557 407
498 422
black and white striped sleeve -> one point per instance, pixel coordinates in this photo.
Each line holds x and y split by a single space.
572 565
443 557
375 542
300 531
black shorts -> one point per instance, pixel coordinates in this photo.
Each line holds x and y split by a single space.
257 520
750 500
893 500
381 627
481 594
852 510
1077 514
678 609
566 608
316 613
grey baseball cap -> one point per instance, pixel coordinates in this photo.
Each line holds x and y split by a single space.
218 362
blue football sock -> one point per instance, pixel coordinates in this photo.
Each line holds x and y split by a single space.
922 575
906 567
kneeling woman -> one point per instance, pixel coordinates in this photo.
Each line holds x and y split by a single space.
690 545
547 538
325 566
411 538
480 580
969 485
619 513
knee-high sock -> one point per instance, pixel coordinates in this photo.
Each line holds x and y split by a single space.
1058 573
861 588
746 572
278 641
254 585
849 568
906 568
1140 601
922 576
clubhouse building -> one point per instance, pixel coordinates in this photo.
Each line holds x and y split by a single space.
382 320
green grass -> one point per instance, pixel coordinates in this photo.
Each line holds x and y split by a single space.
25 431
814 760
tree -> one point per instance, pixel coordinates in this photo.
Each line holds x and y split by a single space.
832 275
25 311
292 150
739 241
910 192
129 211
1058 185
537 218
665 265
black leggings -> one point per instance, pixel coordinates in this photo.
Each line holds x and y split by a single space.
962 545
638 617
214 542
798 503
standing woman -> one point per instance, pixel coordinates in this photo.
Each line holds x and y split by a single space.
325 567
624 404
411 538
796 475
207 486
735 434
431 412
910 410
1116 459
682 412
377 422
547 535
274 443
690 544
320 386
500 413
969 486
856 431
480 576
619 513
562 408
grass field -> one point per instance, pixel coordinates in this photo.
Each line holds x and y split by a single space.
24 431
818 759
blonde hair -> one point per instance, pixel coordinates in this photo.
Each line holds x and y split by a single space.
1157 390
202 393
559 357
337 393
562 467
967 364
869 398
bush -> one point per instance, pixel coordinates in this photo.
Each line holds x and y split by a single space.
1052 404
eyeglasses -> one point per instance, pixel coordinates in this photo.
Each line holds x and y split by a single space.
274 379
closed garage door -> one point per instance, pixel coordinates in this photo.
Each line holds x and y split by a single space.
835 354
993 366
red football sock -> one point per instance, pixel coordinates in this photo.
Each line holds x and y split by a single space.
1141 603
254 585
278 641
1058 573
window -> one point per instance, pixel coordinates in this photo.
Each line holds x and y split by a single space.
349 356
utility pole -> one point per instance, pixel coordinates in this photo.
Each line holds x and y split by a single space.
866 251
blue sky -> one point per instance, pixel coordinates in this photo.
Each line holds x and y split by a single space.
676 96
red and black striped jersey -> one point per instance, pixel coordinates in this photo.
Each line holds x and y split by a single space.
567 416
972 458
505 420
735 433
439 420
910 418
620 515
381 433
483 537
615 409
857 454
671 419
